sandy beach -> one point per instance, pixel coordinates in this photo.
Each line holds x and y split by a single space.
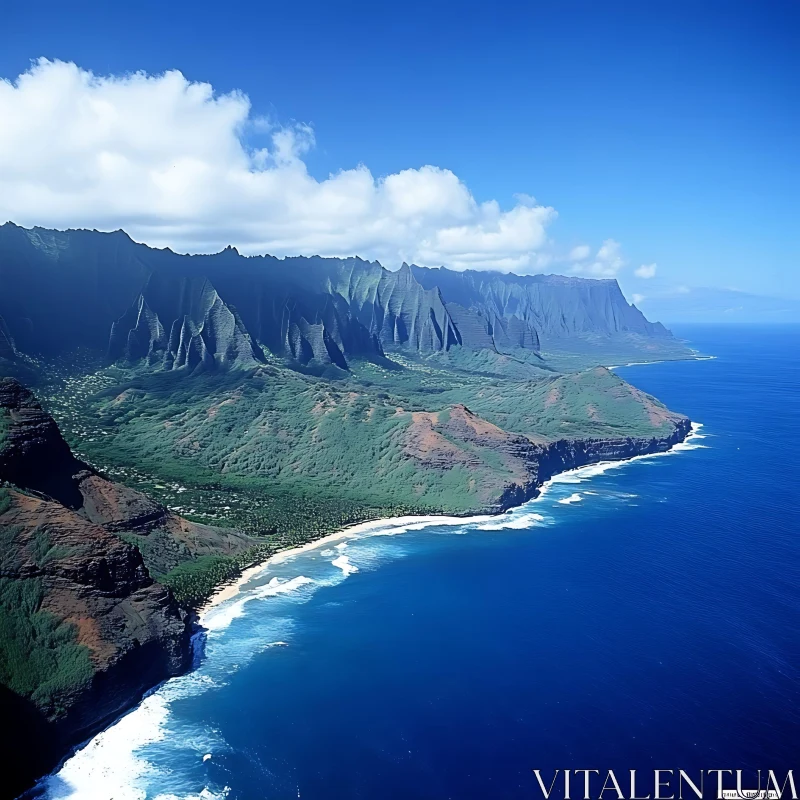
230 590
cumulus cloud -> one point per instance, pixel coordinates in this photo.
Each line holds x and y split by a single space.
606 263
637 298
171 162
646 271
580 253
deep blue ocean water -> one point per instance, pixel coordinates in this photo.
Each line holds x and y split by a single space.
653 621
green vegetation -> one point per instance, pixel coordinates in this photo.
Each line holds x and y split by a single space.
11 556
194 581
5 425
43 551
40 658
5 500
289 457
591 404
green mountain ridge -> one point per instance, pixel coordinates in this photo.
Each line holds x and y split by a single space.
68 289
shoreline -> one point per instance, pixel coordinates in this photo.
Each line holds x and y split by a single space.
612 367
231 590
402 524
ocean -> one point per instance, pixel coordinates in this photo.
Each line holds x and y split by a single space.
640 616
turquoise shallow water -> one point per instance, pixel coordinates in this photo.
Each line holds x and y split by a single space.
635 617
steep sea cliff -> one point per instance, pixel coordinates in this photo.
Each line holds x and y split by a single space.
549 460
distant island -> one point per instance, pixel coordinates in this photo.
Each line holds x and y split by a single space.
167 421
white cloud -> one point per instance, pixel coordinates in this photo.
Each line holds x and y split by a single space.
168 160
646 271
580 253
606 264
525 199
637 298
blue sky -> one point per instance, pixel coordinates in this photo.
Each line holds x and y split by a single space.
670 128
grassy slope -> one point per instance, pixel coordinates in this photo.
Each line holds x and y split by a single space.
285 453
5 424
287 457
40 657
39 653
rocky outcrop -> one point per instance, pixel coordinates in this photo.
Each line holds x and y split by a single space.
33 454
65 574
99 583
116 507
95 590
165 538
457 437
545 461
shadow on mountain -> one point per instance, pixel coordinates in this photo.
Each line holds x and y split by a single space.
28 745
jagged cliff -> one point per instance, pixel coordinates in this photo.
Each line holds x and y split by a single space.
460 437
85 628
65 289
532 307
182 322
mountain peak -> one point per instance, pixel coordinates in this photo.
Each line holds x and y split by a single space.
109 291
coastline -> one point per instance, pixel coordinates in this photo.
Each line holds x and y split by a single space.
612 367
105 743
231 590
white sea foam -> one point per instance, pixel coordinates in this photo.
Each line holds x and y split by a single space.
343 563
400 525
220 616
205 794
108 766
667 361
573 498
512 522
